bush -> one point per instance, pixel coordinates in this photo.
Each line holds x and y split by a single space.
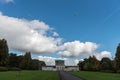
14 69
118 71
3 69
108 71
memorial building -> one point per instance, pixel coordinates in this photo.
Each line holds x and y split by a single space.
60 66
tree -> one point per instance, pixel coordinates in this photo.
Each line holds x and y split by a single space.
26 62
37 65
41 63
106 64
117 58
3 53
13 60
95 63
81 65
20 59
90 64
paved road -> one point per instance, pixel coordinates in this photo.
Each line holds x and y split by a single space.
66 76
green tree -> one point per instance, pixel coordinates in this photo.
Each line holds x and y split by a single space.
90 64
81 65
20 59
26 62
117 58
106 64
41 63
13 60
96 64
3 53
37 65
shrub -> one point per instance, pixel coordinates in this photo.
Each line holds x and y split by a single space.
108 71
3 69
118 71
14 69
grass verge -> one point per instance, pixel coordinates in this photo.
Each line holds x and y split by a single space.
29 75
96 75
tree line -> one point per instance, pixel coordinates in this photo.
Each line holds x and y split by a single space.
12 61
105 64
25 62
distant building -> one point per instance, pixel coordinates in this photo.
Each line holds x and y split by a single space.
60 66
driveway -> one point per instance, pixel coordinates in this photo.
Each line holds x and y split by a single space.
67 76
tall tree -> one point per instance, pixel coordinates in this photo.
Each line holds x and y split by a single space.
117 57
26 62
81 65
106 64
37 65
20 60
13 62
41 63
3 53
90 64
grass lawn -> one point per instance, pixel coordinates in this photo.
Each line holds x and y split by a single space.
29 75
96 75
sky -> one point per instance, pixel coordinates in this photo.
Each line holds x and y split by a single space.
61 29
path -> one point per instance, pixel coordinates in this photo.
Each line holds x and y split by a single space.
67 76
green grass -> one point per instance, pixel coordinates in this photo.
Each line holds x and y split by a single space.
96 75
29 75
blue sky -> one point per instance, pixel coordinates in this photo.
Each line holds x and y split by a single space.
96 21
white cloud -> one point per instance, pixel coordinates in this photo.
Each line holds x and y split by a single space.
7 1
51 60
55 34
25 35
47 60
77 48
102 54
70 61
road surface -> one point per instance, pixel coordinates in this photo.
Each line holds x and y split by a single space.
67 76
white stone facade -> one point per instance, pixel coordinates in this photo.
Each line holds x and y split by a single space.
49 68
72 68
60 67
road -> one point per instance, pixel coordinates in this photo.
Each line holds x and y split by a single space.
67 76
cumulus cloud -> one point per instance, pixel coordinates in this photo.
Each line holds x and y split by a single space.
69 61
55 34
25 35
86 49
102 54
77 48
51 60
38 37
7 1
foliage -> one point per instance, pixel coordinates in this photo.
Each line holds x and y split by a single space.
90 64
31 64
26 62
14 62
106 64
117 58
3 69
3 53
37 65
14 69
